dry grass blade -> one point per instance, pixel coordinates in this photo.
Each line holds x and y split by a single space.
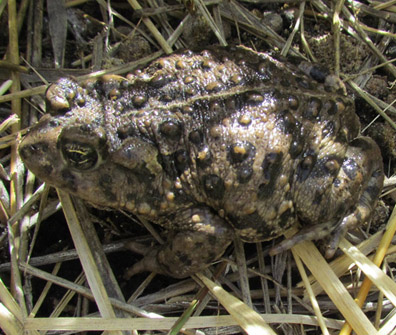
384 283
58 30
9 323
86 257
10 121
249 320
150 26
121 69
44 292
204 11
9 302
372 104
81 324
311 295
378 258
334 288
86 292
341 265
5 86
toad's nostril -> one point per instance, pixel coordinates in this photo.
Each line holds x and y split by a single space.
33 148
28 150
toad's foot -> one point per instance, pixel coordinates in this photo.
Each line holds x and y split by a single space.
204 238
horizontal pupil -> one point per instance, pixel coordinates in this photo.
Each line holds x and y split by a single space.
79 156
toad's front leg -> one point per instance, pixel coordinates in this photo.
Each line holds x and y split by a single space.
199 237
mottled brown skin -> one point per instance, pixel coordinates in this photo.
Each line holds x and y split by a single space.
210 144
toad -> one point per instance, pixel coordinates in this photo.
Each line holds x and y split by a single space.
210 145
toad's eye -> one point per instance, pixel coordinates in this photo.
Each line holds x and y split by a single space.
83 147
80 156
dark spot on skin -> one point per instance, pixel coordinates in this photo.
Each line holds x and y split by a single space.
171 129
241 151
336 182
196 137
305 167
266 190
144 175
253 221
184 258
350 167
318 74
341 209
372 191
124 133
286 122
313 108
245 221
330 107
296 146
303 83
244 174
181 160
168 164
271 169
213 186
341 137
284 219
272 165
181 196
361 143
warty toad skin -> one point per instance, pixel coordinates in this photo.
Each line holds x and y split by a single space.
209 144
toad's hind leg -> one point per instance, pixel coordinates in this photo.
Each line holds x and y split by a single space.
199 238
351 200
361 173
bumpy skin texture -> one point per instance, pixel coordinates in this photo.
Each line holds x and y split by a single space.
209 144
